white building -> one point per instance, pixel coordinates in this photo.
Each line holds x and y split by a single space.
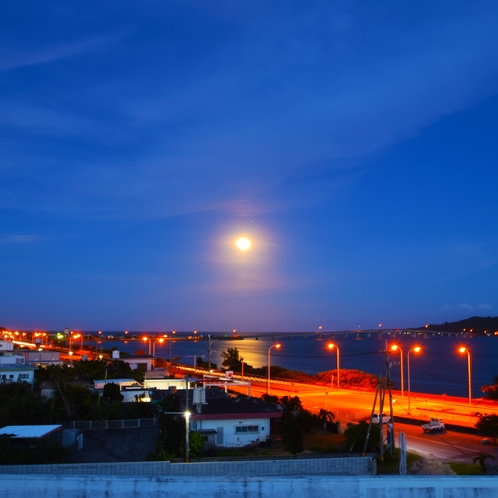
6 346
10 373
240 421
44 357
136 362
12 359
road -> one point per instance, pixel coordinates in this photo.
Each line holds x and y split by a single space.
351 406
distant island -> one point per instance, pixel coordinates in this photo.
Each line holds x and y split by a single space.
478 325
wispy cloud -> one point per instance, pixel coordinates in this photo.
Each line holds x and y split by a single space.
17 239
14 59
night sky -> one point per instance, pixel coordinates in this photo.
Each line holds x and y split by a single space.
354 143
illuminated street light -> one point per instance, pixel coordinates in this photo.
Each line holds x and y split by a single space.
417 349
395 347
469 372
331 347
187 434
276 346
71 358
147 340
79 336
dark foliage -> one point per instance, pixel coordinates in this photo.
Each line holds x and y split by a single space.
474 324
292 434
488 425
27 452
356 435
491 392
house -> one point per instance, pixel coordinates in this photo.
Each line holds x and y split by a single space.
24 435
6 346
10 373
30 431
137 362
230 421
42 357
12 359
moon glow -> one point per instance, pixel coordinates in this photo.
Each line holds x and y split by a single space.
243 243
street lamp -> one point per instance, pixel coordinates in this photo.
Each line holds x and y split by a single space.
146 339
469 372
331 347
187 434
395 347
417 349
79 336
276 346
160 341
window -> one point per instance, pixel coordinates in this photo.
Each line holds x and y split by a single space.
246 428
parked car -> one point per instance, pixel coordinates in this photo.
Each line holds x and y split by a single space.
385 418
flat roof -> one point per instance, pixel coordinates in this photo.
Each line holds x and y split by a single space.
28 431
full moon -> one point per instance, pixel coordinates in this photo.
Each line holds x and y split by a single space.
243 243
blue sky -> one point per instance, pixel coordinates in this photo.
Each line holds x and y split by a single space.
354 142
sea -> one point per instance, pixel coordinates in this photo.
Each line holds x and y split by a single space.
437 369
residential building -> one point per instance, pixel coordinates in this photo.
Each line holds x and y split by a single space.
230 421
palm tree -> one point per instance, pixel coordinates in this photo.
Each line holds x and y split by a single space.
481 459
325 416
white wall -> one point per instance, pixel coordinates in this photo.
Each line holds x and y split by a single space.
165 383
230 436
8 375
12 359
249 487
6 346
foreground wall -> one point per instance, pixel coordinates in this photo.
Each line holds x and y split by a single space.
17 486
258 467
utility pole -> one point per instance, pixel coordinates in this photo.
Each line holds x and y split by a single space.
209 352
187 424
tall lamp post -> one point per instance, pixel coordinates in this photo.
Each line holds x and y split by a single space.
147 340
276 346
395 347
331 346
417 349
469 371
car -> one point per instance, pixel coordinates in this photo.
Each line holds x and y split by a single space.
385 418
435 425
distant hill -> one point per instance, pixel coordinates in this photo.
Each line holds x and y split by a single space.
474 324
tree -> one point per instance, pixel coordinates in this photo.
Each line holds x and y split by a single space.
306 420
488 425
325 416
111 393
356 435
491 392
269 398
231 359
19 406
195 444
481 459
292 435
291 404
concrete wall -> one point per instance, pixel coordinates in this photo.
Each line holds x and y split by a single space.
258 467
256 487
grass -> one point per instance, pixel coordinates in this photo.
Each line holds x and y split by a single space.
466 469
318 440
390 465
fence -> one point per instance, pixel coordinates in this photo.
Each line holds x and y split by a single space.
350 465
111 424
